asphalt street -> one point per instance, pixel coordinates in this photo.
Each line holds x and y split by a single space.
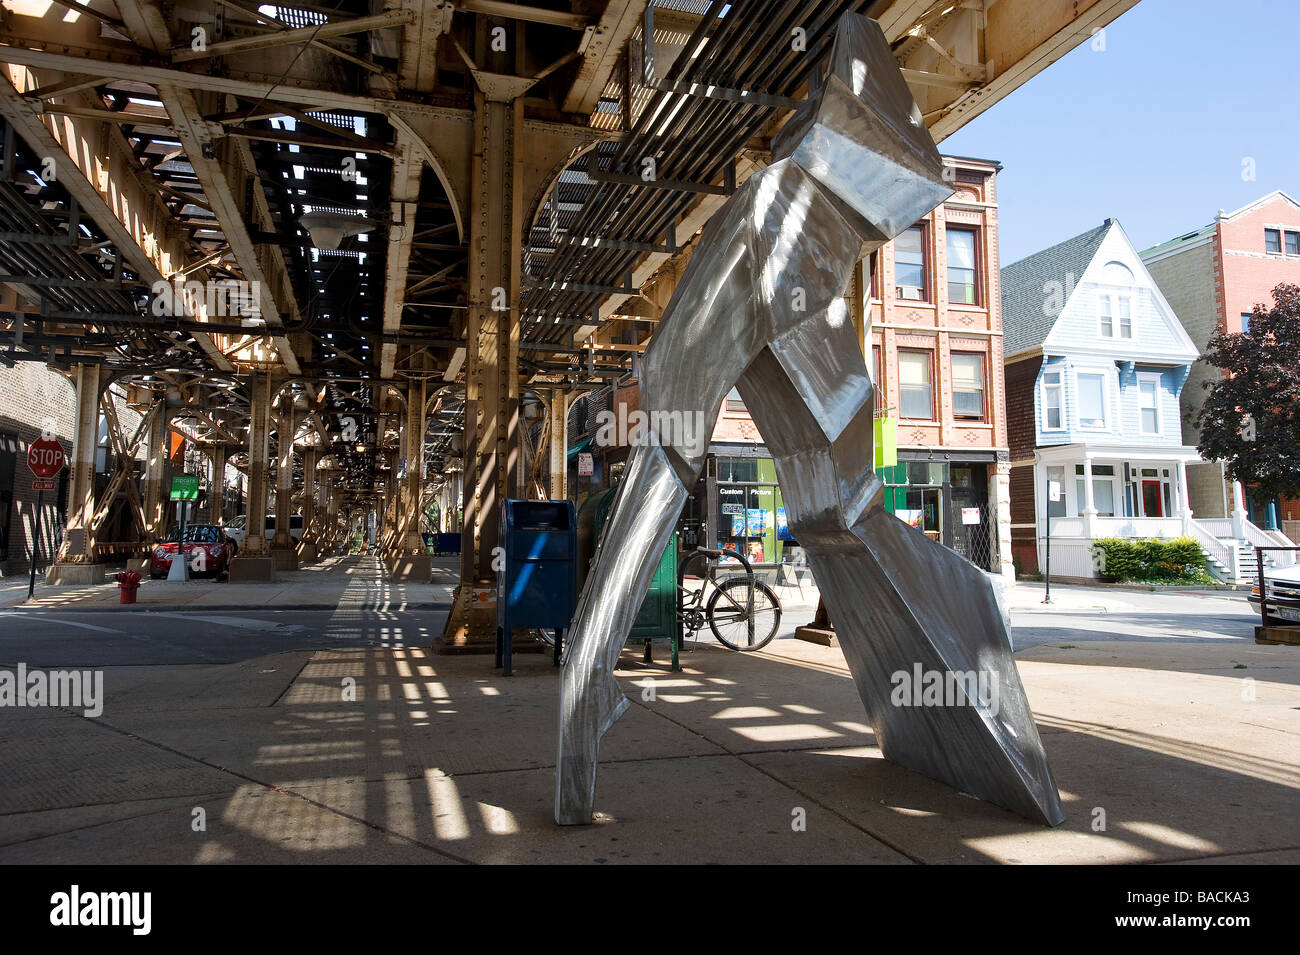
115 637
150 638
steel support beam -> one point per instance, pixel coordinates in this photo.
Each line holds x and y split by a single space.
558 429
282 543
78 540
217 484
155 476
308 546
254 561
492 452
225 169
98 169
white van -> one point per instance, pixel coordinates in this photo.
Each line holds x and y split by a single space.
237 528
295 526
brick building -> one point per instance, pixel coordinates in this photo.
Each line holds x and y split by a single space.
936 355
1214 277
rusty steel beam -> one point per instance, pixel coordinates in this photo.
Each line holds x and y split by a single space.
98 169
228 174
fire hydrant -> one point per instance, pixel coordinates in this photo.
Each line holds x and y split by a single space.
128 583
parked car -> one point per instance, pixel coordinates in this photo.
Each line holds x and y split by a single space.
237 529
295 526
1283 585
206 547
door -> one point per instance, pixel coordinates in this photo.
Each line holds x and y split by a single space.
1151 502
969 515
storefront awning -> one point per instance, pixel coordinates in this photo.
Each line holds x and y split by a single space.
578 448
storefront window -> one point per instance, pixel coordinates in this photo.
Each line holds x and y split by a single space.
749 508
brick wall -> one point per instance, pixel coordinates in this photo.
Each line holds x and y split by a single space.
1020 378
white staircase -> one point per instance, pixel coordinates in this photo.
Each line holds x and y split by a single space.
1232 559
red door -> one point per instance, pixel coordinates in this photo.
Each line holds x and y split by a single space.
1151 499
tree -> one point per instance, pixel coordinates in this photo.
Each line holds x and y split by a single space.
1251 417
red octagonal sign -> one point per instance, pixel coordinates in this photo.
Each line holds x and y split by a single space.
45 457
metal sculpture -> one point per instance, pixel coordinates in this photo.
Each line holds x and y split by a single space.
761 305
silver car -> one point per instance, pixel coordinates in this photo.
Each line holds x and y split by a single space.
1283 585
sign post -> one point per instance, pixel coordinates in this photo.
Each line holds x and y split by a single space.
185 487
46 459
1053 496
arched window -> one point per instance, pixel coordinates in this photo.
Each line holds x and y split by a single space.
1117 273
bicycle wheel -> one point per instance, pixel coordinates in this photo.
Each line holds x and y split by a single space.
734 624
545 636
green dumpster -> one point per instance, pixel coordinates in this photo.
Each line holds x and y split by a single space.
657 619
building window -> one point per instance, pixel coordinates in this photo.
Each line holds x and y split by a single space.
909 265
968 385
1103 489
1293 243
875 368
1116 314
1149 403
734 401
1092 401
1272 240
1245 323
1051 400
914 390
962 287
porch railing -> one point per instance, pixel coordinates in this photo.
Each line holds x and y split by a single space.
1224 552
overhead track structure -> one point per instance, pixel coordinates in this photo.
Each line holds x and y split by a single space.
482 198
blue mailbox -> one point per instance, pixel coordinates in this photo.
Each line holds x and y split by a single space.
538 584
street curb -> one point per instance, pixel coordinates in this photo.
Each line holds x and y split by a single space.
172 608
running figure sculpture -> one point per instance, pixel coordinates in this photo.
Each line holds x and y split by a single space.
762 306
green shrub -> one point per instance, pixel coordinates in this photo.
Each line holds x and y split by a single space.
1177 560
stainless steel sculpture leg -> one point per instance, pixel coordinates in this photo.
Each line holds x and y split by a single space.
922 629
761 303
632 543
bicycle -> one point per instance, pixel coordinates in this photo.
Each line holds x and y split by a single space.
743 613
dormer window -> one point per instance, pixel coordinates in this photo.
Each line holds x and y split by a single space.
1116 314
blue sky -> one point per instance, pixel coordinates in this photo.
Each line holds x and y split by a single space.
1152 130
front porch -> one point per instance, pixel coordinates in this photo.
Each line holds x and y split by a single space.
1134 493
1091 492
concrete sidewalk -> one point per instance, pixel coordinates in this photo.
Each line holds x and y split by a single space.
1160 754
352 582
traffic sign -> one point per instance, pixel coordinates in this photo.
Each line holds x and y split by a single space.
45 457
42 484
185 487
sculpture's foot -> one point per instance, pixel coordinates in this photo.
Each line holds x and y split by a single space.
924 636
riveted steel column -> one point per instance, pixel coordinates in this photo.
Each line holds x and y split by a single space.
308 546
559 430
78 537
254 561
155 492
217 484
492 453
282 544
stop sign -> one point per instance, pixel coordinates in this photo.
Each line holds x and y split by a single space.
45 457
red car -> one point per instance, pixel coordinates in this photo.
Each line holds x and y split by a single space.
207 548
